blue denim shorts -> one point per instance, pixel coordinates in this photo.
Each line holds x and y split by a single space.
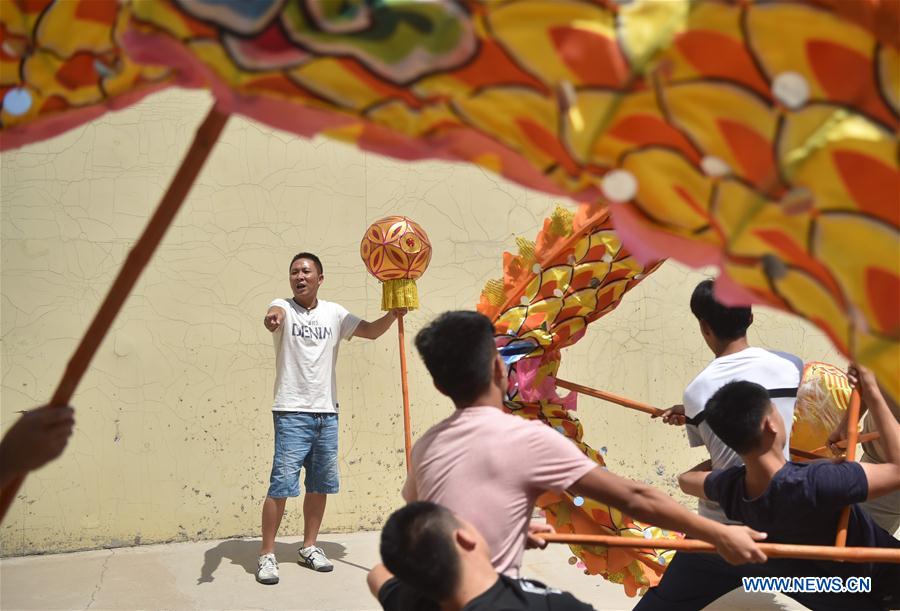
309 440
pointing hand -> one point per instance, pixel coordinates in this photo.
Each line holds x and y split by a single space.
273 320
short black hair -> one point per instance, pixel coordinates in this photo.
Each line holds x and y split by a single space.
417 546
311 257
726 323
459 350
735 414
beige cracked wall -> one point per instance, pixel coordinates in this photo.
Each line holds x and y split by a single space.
173 437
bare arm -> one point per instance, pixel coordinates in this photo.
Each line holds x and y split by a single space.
883 478
37 437
376 328
274 318
534 539
840 432
691 481
734 543
674 415
377 577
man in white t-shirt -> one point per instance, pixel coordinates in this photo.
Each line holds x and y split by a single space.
306 333
725 331
778 372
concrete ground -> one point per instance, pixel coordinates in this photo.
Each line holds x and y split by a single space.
220 575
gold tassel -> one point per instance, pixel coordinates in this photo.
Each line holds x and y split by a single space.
526 251
493 292
400 293
561 222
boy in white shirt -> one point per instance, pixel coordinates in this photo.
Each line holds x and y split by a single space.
724 329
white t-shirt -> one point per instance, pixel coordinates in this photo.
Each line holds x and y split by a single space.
306 349
771 370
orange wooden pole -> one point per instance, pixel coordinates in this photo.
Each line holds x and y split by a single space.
141 253
843 442
820 453
655 411
805 454
773 550
852 439
404 384
608 396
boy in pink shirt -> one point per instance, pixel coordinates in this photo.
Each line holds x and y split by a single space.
489 467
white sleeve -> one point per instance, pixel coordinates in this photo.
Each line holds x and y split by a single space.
692 405
281 303
347 322
693 436
794 360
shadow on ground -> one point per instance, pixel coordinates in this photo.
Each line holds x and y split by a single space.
245 553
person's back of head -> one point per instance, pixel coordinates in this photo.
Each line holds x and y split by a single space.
417 546
459 352
725 323
736 412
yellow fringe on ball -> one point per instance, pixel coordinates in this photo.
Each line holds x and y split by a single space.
401 293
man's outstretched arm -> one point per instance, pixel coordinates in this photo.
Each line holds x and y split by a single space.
274 318
376 328
883 478
691 481
377 577
737 544
37 437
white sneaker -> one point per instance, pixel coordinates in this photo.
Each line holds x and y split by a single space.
267 569
314 558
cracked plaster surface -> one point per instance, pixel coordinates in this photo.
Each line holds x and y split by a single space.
173 438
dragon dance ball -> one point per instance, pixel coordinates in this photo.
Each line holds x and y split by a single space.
396 250
822 401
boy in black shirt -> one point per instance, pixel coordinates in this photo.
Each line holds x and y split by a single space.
801 502
449 563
